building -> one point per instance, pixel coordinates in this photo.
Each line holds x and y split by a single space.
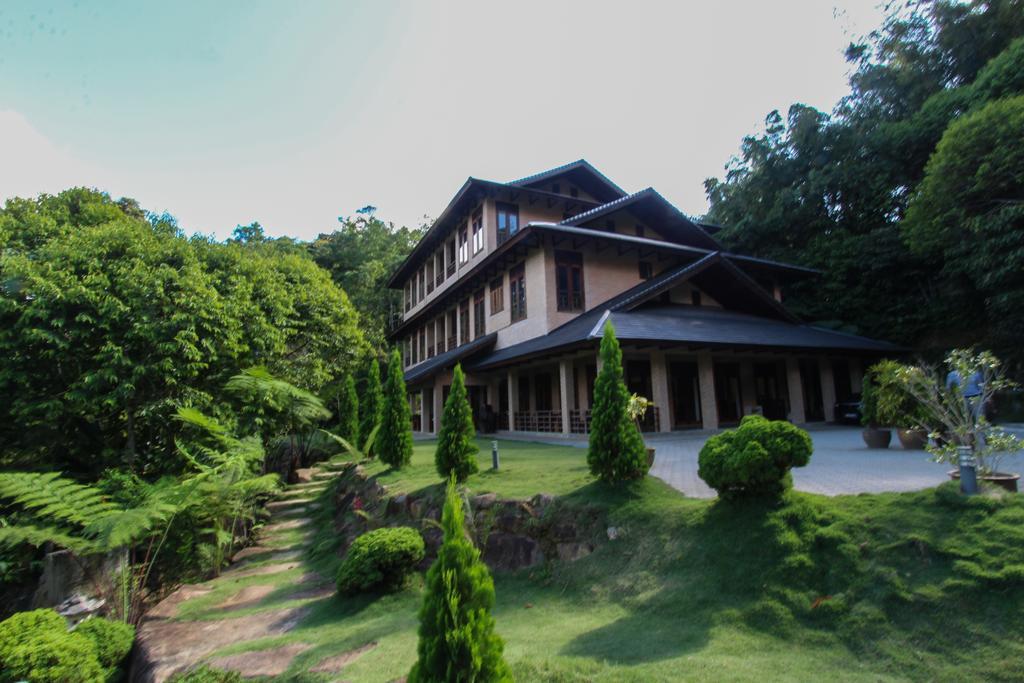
515 281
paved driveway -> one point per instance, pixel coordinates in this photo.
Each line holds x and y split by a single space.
840 464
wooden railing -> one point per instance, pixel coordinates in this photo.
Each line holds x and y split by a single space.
579 421
538 421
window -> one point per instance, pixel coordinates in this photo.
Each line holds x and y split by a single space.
415 348
430 341
423 344
464 322
439 266
463 246
639 231
430 275
497 295
517 292
408 295
415 297
450 268
439 328
569 280
453 325
423 287
479 315
508 220
609 225
478 231
646 270
695 297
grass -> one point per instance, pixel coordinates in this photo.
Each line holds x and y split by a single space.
526 469
887 587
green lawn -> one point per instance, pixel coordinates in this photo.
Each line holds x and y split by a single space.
526 469
914 586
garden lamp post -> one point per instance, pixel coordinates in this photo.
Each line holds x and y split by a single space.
968 470
494 454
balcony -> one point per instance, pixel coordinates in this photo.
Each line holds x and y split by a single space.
538 421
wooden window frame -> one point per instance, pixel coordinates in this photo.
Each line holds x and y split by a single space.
463 246
517 292
498 294
451 256
569 285
479 314
478 231
464 326
506 209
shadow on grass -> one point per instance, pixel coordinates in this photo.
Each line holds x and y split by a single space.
711 562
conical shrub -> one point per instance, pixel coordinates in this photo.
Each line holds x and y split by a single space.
370 404
457 641
456 449
347 405
617 451
394 440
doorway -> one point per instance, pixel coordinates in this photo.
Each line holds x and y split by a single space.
728 393
771 388
810 378
684 392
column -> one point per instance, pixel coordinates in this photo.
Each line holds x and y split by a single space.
565 392
513 399
659 389
797 415
708 403
426 424
828 389
438 403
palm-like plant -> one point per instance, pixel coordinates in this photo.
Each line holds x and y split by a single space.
223 487
274 408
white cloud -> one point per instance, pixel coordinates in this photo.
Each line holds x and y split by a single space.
31 164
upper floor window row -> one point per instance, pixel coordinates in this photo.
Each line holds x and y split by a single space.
569 280
478 231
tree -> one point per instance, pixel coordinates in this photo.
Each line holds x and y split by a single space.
830 191
371 403
457 641
361 255
109 321
346 409
968 212
616 452
456 450
394 441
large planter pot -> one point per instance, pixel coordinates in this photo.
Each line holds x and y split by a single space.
877 438
912 439
1003 480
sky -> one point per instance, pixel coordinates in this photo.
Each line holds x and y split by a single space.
295 113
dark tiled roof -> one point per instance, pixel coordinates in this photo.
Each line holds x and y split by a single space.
449 358
656 211
715 326
580 165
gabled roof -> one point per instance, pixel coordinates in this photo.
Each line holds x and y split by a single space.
582 174
657 213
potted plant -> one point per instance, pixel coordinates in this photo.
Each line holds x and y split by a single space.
897 407
956 403
874 436
636 409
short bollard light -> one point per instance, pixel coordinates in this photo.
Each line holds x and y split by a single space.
968 470
494 455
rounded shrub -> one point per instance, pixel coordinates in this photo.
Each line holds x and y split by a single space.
382 559
755 458
113 639
37 646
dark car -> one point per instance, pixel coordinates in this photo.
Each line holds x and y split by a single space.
848 411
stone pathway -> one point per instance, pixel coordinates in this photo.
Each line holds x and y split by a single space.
180 632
